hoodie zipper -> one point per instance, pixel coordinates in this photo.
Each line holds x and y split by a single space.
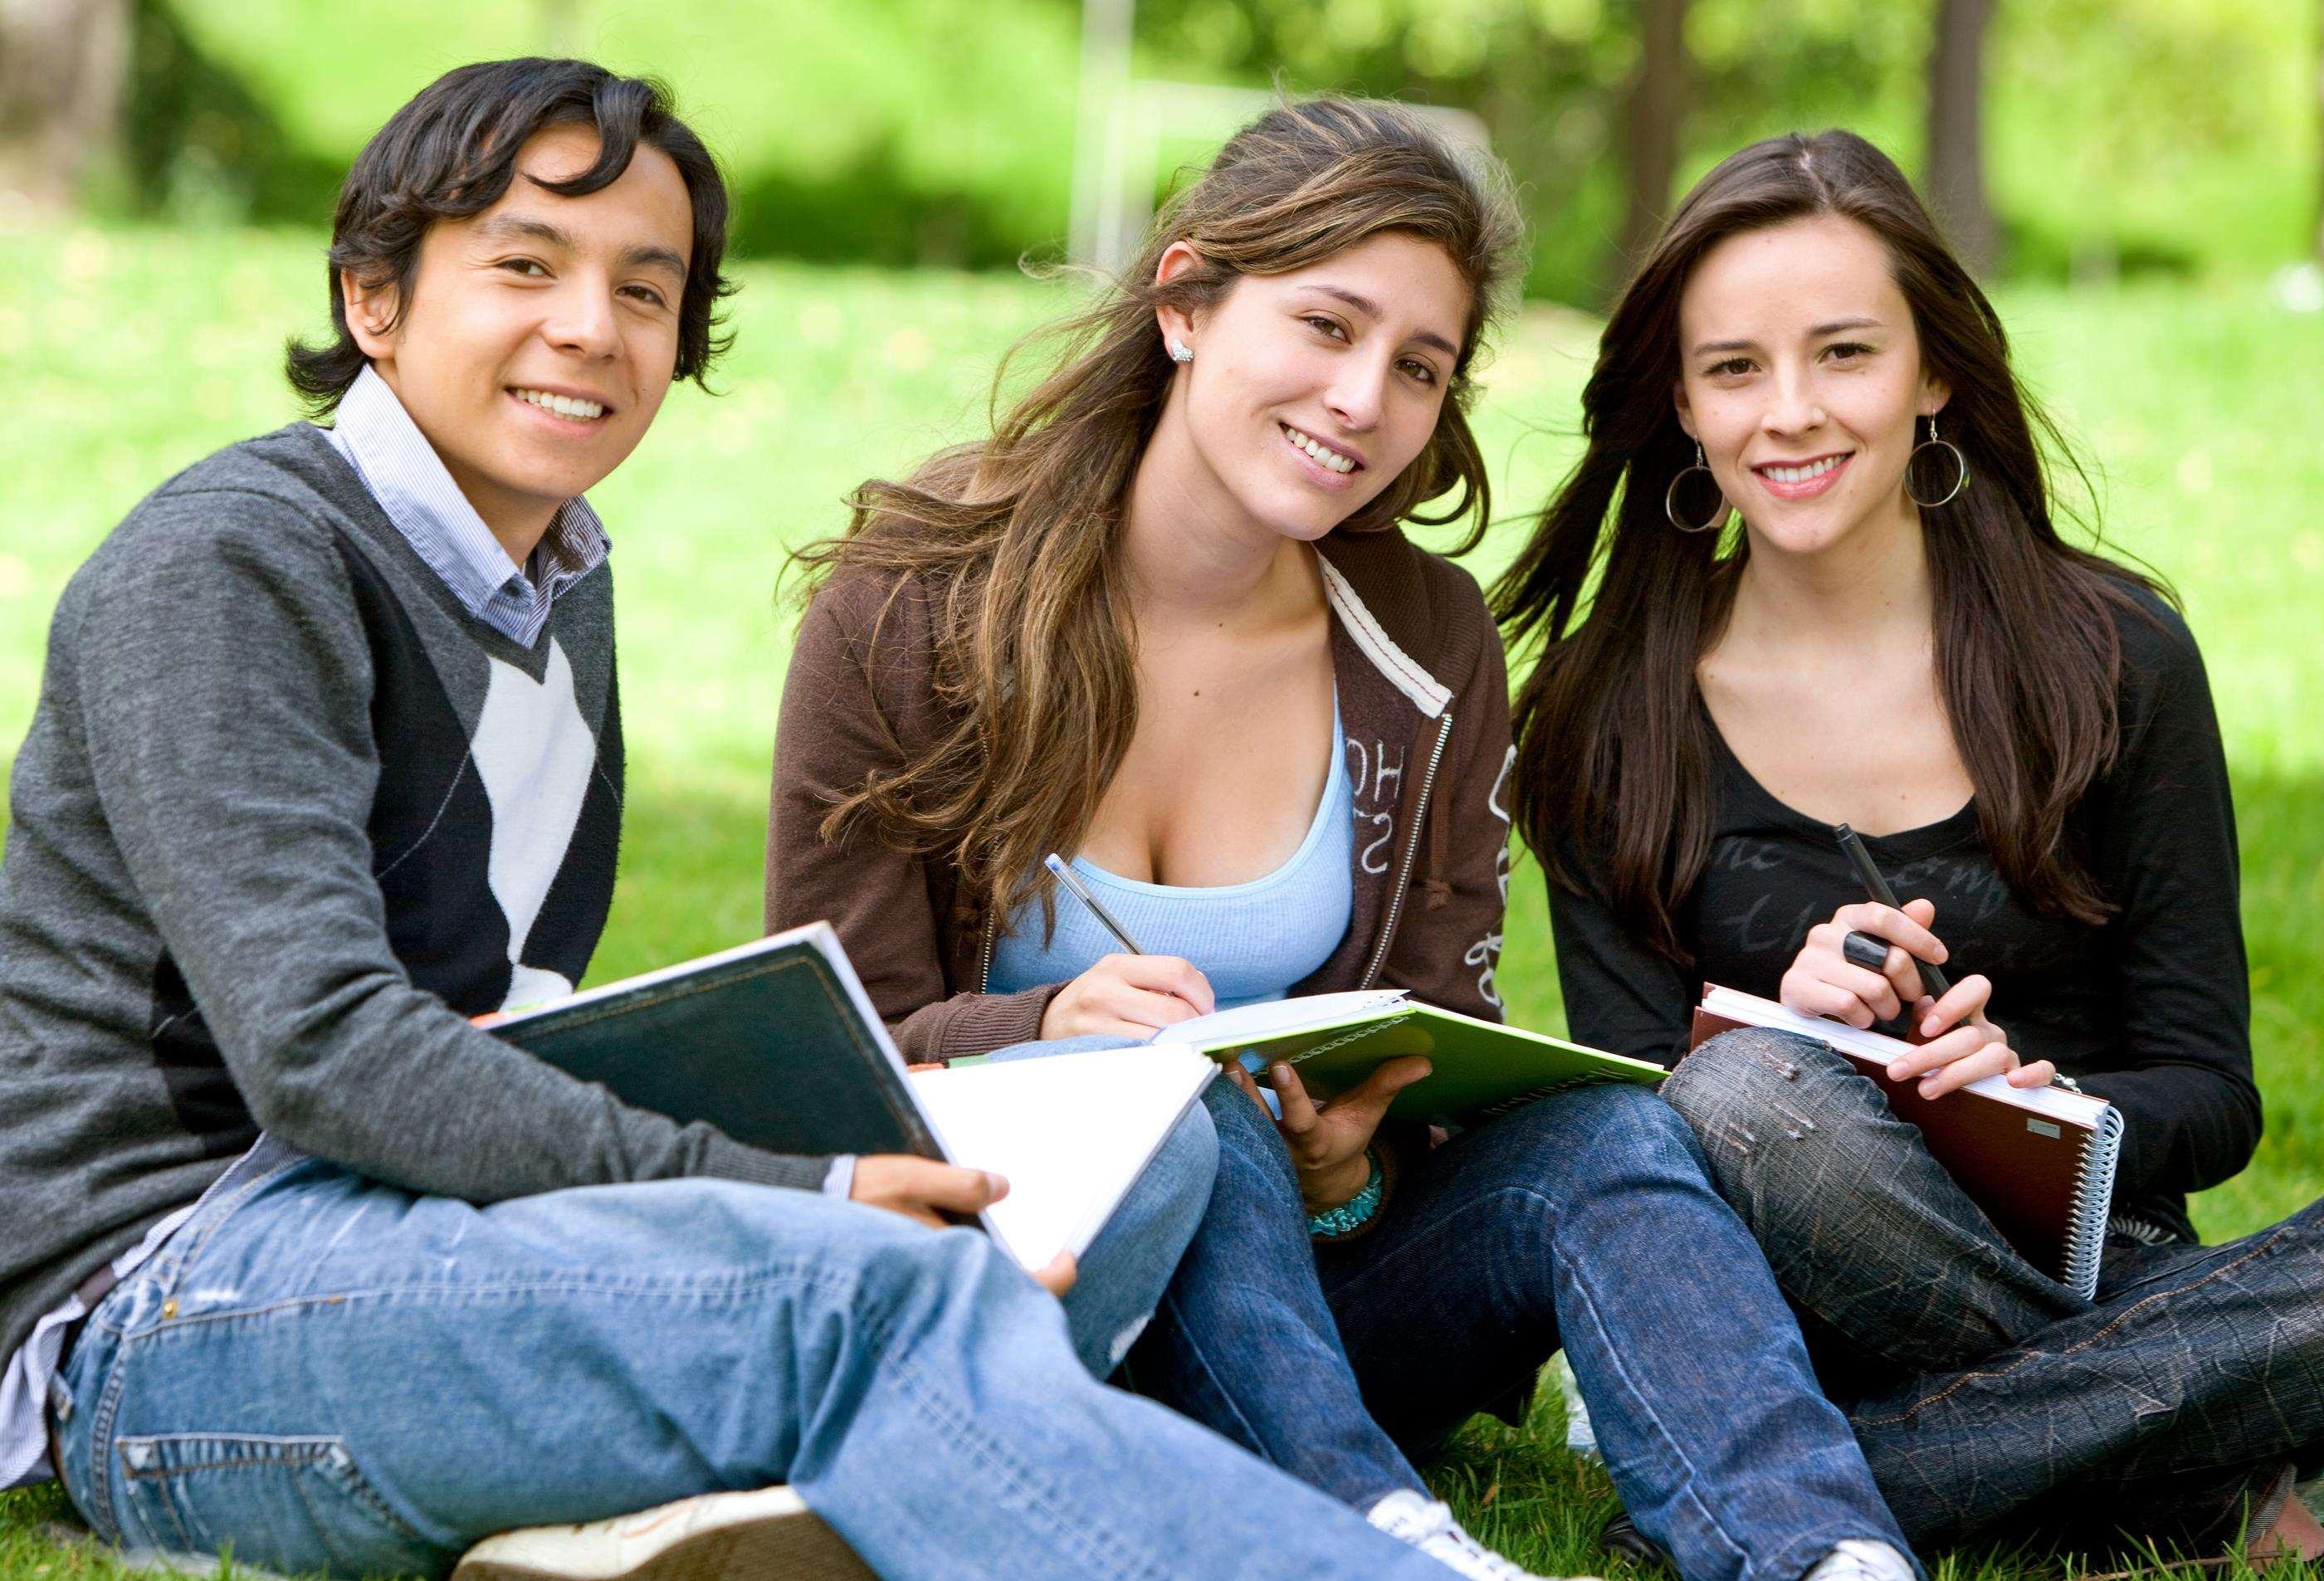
1411 851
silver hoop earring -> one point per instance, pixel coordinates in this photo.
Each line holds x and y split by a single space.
1670 499
1960 468
1180 351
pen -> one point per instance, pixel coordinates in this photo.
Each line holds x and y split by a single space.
1852 848
1057 864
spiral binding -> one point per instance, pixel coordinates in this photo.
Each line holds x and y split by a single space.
2086 1219
1492 1110
1354 1034
1511 1105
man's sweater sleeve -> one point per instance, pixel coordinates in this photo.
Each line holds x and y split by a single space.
225 682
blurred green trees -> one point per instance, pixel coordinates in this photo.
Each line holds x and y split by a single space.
2120 136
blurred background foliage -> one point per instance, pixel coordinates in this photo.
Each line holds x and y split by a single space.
2116 137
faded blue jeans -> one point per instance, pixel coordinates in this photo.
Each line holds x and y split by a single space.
1587 1220
328 1374
1979 1386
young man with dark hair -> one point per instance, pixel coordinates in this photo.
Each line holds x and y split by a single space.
328 760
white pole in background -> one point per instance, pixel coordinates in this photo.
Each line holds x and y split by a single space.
1098 127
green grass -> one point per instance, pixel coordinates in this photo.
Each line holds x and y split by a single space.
129 354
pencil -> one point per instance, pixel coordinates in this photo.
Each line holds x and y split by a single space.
1057 864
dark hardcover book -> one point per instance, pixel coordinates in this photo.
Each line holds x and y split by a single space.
773 1043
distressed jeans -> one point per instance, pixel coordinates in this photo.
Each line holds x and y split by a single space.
1587 1220
330 1375
1979 1386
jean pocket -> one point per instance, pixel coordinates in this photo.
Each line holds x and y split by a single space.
292 1504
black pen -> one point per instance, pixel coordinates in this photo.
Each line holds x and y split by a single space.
1852 848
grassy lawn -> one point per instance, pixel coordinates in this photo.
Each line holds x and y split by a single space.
128 354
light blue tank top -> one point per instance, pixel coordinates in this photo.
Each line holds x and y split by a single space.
1251 940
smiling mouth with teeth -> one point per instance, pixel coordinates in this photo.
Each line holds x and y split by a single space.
1323 454
1800 474
563 406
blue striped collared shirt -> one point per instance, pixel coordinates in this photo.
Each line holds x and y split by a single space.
408 478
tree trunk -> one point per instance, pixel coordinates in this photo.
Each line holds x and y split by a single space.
1653 121
561 28
63 64
1956 132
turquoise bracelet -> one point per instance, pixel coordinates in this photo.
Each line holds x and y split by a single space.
1357 1211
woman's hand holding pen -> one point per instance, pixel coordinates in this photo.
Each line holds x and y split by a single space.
1961 1045
1327 1140
1822 980
1129 995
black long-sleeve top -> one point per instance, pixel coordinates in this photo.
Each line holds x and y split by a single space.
2151 1010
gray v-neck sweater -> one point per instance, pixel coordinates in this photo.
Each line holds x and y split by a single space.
287 816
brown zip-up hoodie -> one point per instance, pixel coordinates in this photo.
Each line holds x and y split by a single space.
1424 710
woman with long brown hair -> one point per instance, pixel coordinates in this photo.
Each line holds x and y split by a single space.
1165 622
1806 572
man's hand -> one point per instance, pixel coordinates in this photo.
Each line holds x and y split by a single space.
924 1191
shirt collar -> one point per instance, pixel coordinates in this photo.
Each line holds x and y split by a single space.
410 480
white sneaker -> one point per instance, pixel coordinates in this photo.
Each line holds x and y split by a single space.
765 1535
1427 1525
1860 1559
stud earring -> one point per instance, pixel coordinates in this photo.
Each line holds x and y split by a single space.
1180 351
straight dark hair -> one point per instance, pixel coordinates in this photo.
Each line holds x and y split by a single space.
451 152
1610 729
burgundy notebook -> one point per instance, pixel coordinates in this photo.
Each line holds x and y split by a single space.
2039 1160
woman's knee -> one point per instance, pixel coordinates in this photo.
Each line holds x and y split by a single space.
1580 1145
1243 1129
1167 1199
1254 1166
1738 1081
1781 1118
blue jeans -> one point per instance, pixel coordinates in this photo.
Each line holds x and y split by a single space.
328 1374
1988 1397
1585 1219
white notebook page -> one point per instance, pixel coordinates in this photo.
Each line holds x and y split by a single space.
1275 1017
2060 1102
1070 1132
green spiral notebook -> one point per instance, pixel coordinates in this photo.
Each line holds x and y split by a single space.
1480 1068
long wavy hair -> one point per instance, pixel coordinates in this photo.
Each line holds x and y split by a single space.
1611 730
1012 541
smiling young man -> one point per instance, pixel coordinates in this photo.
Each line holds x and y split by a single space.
328 760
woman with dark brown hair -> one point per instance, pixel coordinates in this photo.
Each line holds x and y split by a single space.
1165 622
1829 588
